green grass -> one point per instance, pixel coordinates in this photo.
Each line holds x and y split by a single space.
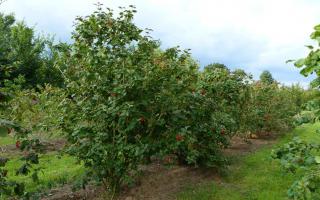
6 140
56 170
255 176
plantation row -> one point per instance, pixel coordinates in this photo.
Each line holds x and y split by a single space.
121 102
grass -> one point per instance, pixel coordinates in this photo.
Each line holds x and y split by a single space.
6 141
255 176
55 170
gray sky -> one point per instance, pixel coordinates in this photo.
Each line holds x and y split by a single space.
254 35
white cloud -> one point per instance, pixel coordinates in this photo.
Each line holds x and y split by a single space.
253 34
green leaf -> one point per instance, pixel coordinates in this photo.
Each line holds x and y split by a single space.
288 61
19 189
300 62
317 27
309 46
317 159
307 70
23 170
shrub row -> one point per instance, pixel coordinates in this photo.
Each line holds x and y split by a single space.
126 102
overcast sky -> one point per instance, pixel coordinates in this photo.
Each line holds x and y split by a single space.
254 35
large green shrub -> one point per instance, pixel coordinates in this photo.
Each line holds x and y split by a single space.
270 108
229 90
128 101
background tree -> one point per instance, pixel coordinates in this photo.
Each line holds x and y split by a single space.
266 77
22 53
216 66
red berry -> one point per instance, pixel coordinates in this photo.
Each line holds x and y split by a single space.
142 120
179 138
18 143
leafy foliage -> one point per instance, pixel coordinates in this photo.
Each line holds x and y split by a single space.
10 188
270 108
24 54
298 154
310 114
125 102
30 146
310 64
129 102
266 77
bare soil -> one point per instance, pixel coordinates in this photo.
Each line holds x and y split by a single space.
66 192
240 146
53 145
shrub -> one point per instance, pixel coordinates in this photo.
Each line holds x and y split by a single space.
128 101
270 108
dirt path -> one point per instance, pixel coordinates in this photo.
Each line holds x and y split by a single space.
52 145
241 147
159 182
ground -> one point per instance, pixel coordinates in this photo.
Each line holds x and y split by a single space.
251 174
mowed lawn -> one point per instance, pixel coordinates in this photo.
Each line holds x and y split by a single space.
55 169
5 139
255 176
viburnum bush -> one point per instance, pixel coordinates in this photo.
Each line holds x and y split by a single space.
230 92
271 107
129 102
